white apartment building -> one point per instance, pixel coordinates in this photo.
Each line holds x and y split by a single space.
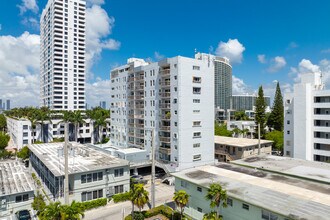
169 103
62 55
21 132
307 120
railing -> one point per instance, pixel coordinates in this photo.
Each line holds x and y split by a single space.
165 128
165 150
166 95
165 106
166 84
165 139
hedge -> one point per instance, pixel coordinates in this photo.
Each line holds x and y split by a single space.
121 197
94 203
162 209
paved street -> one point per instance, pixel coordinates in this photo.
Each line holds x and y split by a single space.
164 193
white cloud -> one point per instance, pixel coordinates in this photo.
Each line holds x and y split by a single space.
233 50
325 51
95 2
27 5
306 66
239 86
30 21
19 69
277 63
262 58
158 56
98 26
97 91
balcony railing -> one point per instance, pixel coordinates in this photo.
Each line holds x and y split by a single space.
166 106
165 139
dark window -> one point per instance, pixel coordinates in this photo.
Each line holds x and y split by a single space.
119 172
25 197
100 176
199 209
245 206
83 179
94 177
18 199
119 189
229 202
199 189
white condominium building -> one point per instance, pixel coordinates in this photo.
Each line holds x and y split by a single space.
307 120
62 55
172 101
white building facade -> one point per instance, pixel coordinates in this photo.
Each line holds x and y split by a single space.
307 120
170 103
21 132
62 55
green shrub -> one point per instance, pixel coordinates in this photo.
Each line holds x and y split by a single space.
38 142
138 216
24 153
121 197
56 140
94 204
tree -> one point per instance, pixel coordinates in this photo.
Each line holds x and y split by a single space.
43 115
4 139
73 211
38 203
181 199
24 153
3 122
33 117
221 130
237 132
139 196
77 119
212 216
217 196
90 114
277 138
276 117
52 211
260 113
240 116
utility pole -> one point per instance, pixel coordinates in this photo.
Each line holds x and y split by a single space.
258 138
66 165
153 170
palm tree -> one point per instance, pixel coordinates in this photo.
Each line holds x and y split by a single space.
32 117
217 196
139 196
211 216
90 114
67 117
43 115
77 119
73 211
53 211
245 132
181 199
236 131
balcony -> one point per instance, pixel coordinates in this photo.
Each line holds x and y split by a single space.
166 95
165 139
166 84
139 87
165 128
165 106
165 73
165 150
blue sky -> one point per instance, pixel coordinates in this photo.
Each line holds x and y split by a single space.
290 37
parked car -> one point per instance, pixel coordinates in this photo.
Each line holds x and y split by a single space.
23 215
138 179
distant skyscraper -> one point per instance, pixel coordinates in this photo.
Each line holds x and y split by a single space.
0 103
246 102
62 55
103 104
8 104
222 79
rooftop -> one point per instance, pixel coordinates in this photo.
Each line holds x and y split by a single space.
292 197
15 178
239 142
316 171
82 158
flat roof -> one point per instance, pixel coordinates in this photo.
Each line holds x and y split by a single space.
312 170
239 142
82 158
130 150
15 178
288 196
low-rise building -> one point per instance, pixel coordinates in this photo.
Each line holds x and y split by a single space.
22 134
92 173
16 187
260 188
248 128
229 148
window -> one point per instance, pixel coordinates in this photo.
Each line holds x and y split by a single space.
119 172
287 153
199 209
197 79
197 157
175 100
196 111
196 90
288 122
288 143
196 145
91 177
268 215
25 141
184 184
18 199
288 132
25 134
196 68
199 189
196 101
288 112
25 127
288 101
119 189
22 198
229 202
196 123
86 196
245 206
197 135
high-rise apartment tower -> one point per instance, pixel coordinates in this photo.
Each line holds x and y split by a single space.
62 55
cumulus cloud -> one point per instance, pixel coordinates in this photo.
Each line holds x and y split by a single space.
19 69
277 64
95 2
233 50
239 86
28 5
98 27
31 22
97 91
262 58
